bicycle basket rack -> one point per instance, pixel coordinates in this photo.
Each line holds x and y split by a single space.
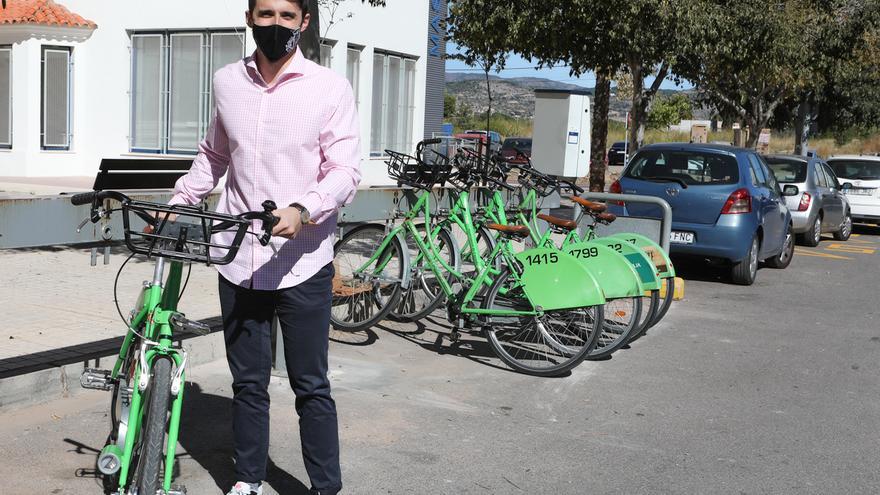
409 170
188 238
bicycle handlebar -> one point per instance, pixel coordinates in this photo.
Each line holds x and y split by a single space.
96 197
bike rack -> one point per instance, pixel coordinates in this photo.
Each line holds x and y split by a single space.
640 225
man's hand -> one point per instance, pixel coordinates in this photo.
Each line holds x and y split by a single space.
289 222
159 217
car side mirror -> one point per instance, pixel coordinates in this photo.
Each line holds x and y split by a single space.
790 190
845 186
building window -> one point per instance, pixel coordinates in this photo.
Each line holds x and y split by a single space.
353 72
326 55
5 97
393 103
171 99
57 67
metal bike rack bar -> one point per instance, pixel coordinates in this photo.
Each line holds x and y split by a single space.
635 223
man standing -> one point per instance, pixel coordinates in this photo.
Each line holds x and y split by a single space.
284 129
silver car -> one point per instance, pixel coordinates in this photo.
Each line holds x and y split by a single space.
814 196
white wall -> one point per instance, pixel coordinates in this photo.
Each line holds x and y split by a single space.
102 74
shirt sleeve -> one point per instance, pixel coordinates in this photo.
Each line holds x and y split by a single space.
208 167
340 171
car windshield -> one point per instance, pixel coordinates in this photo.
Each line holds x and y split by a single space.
520 144
856 169
689 168
788 171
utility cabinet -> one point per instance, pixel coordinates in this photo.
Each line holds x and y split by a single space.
561 136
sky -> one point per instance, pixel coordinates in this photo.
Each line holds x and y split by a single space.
519 67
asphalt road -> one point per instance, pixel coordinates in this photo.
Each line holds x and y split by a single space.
765 389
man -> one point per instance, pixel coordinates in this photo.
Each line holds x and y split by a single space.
284 129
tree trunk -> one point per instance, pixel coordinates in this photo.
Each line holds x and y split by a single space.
599 138
802 128
637 119
310 42
755 125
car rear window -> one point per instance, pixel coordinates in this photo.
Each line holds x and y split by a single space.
788 171
620 145
856 169
520 144
689 167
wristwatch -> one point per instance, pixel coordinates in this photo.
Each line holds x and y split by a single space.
303 212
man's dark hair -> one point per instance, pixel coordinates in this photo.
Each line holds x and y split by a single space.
303 5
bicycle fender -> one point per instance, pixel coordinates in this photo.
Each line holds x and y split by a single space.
615 274
636 257
554 280
658 255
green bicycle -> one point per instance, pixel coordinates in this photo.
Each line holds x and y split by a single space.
540 312
148 377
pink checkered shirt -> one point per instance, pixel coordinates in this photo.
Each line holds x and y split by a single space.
295 141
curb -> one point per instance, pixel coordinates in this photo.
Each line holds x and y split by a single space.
63 381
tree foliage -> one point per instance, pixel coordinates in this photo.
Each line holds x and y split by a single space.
670 110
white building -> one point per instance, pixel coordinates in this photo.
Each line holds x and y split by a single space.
82 80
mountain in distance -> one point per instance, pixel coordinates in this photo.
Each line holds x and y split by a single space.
515 96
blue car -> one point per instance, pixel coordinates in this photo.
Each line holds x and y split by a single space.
726 204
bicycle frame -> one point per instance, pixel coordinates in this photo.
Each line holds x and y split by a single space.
159 304
459 214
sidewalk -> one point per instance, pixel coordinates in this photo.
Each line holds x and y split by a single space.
59 316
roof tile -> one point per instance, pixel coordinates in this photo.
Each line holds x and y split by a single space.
45 12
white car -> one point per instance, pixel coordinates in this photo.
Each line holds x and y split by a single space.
860 177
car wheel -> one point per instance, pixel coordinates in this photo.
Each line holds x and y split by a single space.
783 259
845 229
814 235
744 272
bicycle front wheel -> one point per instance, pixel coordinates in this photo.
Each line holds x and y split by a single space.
153 442
367 282
547 345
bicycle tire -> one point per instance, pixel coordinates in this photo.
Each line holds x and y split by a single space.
620 320
360 301
424 293
153 442
534 345
652 302
666 301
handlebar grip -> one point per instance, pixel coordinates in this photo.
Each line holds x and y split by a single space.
428 142
573 186
502 184
83 198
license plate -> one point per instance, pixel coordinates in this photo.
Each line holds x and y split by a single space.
682 237
859 191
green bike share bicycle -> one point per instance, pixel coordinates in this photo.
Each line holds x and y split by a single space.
148 377
539 309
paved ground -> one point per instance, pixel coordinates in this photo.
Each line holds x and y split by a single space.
763 389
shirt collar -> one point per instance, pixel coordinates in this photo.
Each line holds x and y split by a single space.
298 66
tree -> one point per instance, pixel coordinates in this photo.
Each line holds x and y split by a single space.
448 105
747 57
667 111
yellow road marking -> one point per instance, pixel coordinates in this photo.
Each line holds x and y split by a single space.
836 246
804 252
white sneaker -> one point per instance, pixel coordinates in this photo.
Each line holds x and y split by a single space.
245 488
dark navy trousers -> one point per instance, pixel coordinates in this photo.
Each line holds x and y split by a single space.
304 316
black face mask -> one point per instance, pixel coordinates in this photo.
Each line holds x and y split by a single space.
276 41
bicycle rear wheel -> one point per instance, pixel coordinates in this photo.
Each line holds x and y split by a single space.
666 295
547 345
621 320
362 297
153 441
424 293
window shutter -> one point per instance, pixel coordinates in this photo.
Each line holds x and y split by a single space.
56 98
185 96
147 80
5 97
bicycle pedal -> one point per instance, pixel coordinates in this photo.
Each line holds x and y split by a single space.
96 379
181 324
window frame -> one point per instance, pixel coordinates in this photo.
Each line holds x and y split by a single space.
44 146
406 112
205 90
8 145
